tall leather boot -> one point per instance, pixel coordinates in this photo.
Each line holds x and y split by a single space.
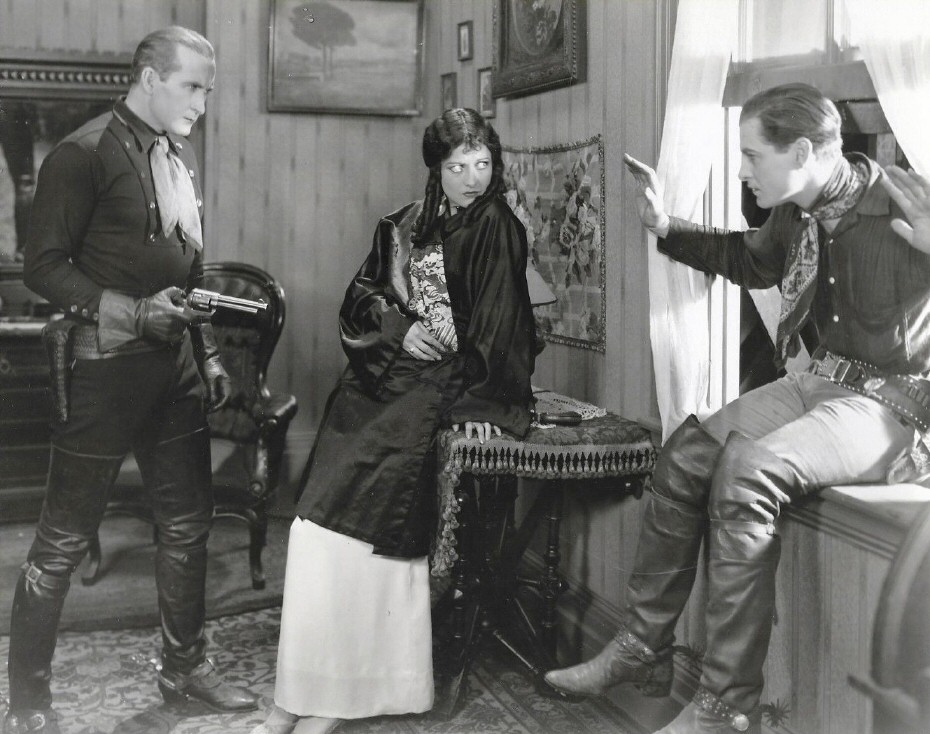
663 572
76 493
177 476
749 487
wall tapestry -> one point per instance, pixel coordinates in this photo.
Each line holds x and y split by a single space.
558 193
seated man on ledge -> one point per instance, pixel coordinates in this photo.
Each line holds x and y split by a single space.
850 246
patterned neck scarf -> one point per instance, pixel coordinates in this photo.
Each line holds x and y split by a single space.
174 192
839 195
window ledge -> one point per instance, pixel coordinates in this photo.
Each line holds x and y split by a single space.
871 516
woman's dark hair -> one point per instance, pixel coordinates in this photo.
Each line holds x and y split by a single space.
791 111
455 127
159 50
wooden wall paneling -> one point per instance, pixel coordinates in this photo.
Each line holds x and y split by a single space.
133 22
53 31
255 144
22 31
278 243
107 26
303 338
225 161
82 22
843 584
185 13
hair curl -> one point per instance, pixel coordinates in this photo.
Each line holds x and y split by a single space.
158 50
455 127
791 111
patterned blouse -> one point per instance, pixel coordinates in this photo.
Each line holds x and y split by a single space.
429 297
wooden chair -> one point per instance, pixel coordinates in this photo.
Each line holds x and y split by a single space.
248 434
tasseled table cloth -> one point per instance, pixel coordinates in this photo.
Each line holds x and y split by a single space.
605 446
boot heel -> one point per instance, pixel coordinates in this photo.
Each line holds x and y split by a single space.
171 696
654 688
658 683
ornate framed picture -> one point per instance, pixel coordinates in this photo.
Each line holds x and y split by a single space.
466 45
487 106
346 57
538 45
448 91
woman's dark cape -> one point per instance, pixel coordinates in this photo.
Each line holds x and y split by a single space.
372 473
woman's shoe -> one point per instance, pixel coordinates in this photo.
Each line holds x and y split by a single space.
279 721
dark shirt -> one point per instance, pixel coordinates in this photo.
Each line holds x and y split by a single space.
873 289
94 222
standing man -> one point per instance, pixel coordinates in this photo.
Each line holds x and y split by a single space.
115 234
849 244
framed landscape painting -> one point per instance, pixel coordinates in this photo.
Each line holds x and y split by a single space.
346 56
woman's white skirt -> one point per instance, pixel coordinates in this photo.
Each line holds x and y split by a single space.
356 634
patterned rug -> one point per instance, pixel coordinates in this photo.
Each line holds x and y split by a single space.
104 682
124 595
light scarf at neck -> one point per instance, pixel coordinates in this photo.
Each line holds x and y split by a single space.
174 192
840 194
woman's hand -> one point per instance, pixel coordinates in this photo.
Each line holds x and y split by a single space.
420 344
648 196
481 430
911 192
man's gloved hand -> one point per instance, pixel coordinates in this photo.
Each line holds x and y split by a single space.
164 317
207 354
219 384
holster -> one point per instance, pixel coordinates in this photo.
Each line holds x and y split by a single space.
57 337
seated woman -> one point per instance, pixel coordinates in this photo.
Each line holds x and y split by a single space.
438 329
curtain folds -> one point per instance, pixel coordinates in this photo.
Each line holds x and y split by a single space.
894 39
705 38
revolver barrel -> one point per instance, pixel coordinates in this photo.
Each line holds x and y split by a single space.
203 300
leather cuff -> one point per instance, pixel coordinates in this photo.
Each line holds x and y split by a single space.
635 646
117 323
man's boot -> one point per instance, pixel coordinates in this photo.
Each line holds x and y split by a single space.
37 604
749 487
663 573
75 495
177 476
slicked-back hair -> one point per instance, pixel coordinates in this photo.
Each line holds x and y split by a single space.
159 50
455 127
791 111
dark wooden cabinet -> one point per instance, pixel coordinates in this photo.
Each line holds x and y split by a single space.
24 420
24 407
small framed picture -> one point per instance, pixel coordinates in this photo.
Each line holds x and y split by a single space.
466 48
487 105
448 91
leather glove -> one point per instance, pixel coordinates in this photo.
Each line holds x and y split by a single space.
219 385
165 316
162 317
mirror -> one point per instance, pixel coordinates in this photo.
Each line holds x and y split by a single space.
43 97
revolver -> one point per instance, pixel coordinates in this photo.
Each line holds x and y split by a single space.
208 301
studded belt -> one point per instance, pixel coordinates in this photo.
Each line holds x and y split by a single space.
907 395
85 345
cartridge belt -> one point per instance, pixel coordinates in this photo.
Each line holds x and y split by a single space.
907 395
85 345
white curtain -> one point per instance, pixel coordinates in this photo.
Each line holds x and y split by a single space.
705 38
894 39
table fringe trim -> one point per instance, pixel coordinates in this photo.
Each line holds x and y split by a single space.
534 462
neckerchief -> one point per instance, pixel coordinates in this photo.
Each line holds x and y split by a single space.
174 192
839 195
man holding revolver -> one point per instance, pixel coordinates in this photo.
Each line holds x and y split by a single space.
115 234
